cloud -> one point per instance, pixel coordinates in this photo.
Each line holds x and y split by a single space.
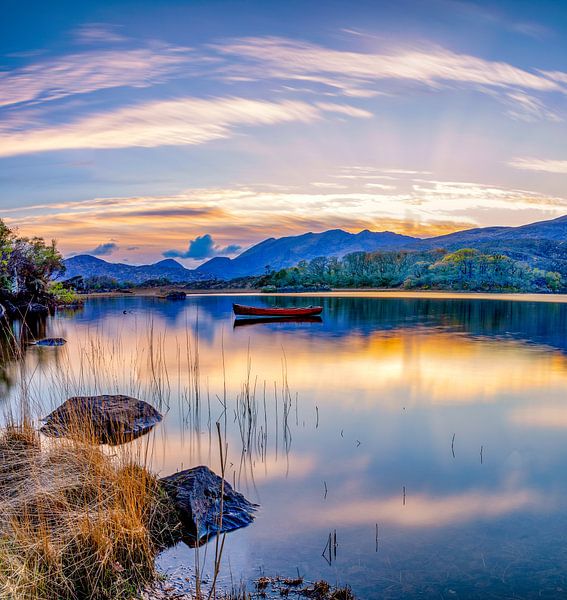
525 107
349 111
541 165
98 33
352 72
184 121
202 247
103 249
89 71
417 206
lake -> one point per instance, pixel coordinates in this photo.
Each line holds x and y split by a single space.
428 433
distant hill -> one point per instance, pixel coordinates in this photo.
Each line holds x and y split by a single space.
90 266
278 253
542 244
554 230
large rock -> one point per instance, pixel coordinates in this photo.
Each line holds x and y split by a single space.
196 494
104 419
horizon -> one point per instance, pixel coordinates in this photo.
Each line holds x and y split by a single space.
190 131
163 259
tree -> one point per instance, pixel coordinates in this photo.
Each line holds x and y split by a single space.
27 265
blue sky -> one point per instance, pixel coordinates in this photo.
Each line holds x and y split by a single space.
137 130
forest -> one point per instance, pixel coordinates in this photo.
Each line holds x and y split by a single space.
465 269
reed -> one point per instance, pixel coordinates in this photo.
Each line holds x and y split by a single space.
80 521
77 523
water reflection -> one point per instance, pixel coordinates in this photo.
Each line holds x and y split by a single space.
15 339
265 320
438 423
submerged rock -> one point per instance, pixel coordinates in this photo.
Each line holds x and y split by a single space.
104 419
176 296
50 342
33 308
196 494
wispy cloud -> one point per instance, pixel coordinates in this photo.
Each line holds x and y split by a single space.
526 107
539 164
184 121
357 73
99 33
84 72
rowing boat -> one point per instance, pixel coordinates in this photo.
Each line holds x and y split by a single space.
257 311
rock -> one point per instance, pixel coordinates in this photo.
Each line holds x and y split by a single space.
33 309
11 310
2 312
196 494
176 296
50 342
105 419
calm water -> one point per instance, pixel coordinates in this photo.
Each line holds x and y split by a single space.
442 422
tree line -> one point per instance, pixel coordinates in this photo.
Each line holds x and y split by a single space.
466 269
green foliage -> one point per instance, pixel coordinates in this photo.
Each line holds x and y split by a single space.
101 283
61 294
464 269
27 265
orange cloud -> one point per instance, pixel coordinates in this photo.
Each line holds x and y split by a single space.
245 215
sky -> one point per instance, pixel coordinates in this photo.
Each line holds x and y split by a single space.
138 130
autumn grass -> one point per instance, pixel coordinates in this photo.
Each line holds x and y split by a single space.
76 522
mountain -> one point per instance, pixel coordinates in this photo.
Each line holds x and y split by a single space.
90 266
552 230
542 244
278 253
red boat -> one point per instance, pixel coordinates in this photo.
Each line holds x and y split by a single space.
256 311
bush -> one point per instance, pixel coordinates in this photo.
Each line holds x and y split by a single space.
62 295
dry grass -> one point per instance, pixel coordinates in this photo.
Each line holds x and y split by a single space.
76 522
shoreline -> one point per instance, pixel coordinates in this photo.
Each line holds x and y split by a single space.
344 293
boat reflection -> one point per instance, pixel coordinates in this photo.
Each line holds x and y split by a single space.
265 320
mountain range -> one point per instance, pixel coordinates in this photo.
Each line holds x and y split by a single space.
542 244
86 265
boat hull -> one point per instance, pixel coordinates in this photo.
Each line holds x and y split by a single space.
256 311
